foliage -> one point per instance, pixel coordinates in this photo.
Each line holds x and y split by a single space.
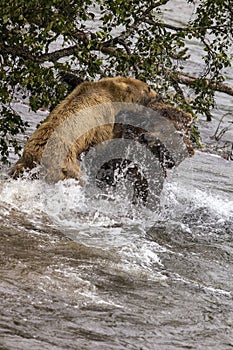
95 38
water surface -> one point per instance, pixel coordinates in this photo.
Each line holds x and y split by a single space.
88 273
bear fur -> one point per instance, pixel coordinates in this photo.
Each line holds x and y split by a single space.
182 121
159 116
85 95
163 129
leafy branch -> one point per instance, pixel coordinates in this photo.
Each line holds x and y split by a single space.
41 39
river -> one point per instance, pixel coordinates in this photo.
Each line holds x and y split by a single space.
88 273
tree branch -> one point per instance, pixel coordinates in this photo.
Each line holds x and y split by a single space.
187 29
56 55
104 47
189 80
15 51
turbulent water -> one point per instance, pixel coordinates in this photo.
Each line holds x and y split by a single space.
81 272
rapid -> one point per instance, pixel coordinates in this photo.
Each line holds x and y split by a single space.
87 272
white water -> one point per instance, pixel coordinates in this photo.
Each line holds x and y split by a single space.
116 225
81 272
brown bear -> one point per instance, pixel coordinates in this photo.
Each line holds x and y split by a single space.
85 95
163 130
182 121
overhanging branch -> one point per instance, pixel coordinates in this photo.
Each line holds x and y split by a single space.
189 80
105 48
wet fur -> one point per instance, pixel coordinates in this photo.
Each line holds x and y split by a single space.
83 96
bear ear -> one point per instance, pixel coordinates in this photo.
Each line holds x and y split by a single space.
124 87
127 88
122 84
116 83
117 88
